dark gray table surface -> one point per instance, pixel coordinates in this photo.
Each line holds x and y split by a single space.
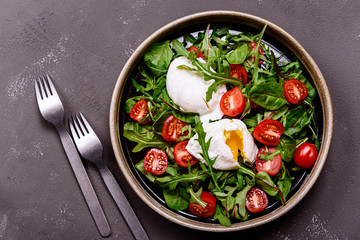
84 44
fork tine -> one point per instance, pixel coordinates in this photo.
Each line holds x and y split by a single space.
87 125
81 124
37 90
78 125
45 88
51 85
73 129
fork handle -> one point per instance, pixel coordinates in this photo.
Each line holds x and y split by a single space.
84 183
122 202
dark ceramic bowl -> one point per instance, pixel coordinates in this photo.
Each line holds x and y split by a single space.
275 37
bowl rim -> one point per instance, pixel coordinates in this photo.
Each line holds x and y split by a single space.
287 40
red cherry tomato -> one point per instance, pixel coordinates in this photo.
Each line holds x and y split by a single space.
232 103
268 132
295 91
172 129
196 50
182 156
155 161
237 71
139 111
256 200
209 210
273 166
253 46
305 155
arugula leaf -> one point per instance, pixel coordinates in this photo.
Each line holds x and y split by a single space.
220 78
269 156
179 48
196 197
220 31
239 210
296 120
132 101
205 46
187 117
284 183
205 152
310 88
140 166
143 136
189 38
171 182
220 215
159 88
245 37
287 66
240 180
246 170
257 56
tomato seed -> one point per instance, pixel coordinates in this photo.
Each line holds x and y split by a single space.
226 102
171 129
179 126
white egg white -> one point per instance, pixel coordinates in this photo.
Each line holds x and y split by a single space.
188 90
219 149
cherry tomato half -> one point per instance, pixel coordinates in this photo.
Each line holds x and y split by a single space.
139 111
209 210
196 50
155 161
253 46
305 155
268 132
182 156
172 129
237 71
273 166
256 200
232 103
295 91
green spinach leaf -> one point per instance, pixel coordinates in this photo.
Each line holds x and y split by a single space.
264 181
177 199
239 55
268 95
287 148
158 58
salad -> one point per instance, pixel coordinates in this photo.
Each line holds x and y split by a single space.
221 124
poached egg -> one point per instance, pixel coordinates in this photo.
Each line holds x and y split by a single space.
229 138
188 90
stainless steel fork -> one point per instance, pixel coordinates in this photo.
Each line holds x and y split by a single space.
91 149
52 111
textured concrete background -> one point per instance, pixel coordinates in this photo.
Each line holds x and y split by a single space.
84 44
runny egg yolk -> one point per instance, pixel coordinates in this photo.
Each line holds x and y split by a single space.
234 140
